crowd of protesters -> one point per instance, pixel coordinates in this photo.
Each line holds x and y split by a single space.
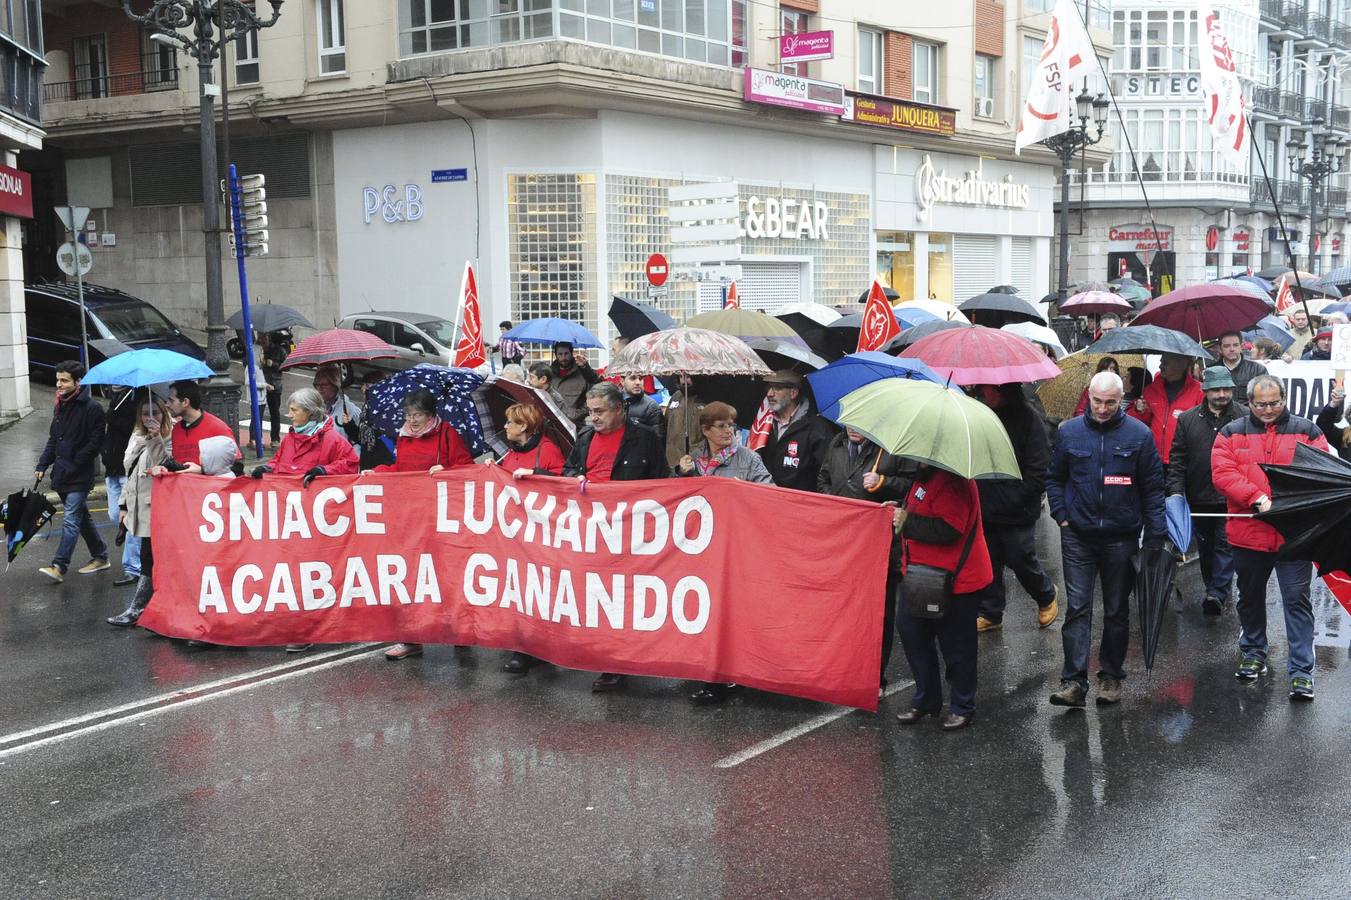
1104 473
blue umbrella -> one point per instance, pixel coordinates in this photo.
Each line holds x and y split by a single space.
1258 287
1339 276
454 390
1179 515
1344 308
551 331
909 318
1274 328
857 369
139 368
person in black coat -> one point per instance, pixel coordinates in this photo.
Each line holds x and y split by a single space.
799 438
1010 508
1189 474
1339 439
641 408
74 442
121 421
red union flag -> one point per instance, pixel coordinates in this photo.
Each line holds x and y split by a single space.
1067 56
470 352
879 321
761 428
640 577
1285 298
1225 108
732 301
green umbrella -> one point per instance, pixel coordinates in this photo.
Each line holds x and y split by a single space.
932 424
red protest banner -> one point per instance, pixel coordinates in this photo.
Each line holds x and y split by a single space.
701 578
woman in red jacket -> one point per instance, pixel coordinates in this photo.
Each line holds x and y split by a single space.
425 444
531 454
312 447
939 524
1165 398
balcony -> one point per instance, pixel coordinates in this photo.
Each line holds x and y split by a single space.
1276 102
1334 199
1318 27
1291 194
1341 35
158 73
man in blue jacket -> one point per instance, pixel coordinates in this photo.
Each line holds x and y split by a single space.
73 444
1105 484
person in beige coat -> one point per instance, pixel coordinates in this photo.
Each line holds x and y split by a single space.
147 449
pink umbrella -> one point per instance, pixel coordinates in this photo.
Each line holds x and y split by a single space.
338 345
1204 311
1092 303
980 355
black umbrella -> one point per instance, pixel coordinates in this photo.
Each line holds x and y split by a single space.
634 319
810 321
1271 273
747 393
24 513
1002 289
998 310
779 354
1311 506
1153 584
1317 288
265 317
890 295
1147 339
910 335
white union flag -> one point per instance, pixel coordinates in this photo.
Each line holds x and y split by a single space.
1067 55
1225 108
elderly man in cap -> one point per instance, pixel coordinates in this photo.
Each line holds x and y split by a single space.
1321 346
1189 475
799 439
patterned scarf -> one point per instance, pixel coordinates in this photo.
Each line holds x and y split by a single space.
406 430
705 464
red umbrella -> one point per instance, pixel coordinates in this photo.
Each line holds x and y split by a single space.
1092 303
1204 311
338 345
979 355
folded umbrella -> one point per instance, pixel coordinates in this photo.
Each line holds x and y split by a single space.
979 355
1203 311
138 368
1146 339
996 310
552 330
1178 512
1038 334
929 423
454 392
24 513
1311 508
496 395
1153 583
338 345
910 335
852 372
634 319
265 317
1272 327
1095 303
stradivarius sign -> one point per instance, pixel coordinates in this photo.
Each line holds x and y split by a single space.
971 189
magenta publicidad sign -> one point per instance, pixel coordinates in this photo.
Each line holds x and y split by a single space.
805 46
794 91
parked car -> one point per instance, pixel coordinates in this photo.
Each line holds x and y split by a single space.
418 338
53 318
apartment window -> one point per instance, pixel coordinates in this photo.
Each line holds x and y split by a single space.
159 64
430 26
332 41
1031 59
1172 145
794 22
983 82
870 61
925 84
246 58
1156 40
738 33
91 67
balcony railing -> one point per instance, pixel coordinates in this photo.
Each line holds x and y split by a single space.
1271 10
1341 35
1318 26
159 72
1288 193
1278 102
1334 198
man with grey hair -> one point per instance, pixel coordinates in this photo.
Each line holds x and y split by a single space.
613 448
1105 484
513 372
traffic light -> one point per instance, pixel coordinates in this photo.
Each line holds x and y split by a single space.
252 213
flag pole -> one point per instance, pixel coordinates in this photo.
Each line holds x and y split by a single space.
1280 222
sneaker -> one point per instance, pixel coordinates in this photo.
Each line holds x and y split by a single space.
1046 614
1071 694
298 648
1301 688
403 651
1109 690
984 624
1250 670
94 565
54 573
1212 606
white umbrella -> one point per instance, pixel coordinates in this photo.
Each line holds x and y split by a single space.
945 311
821 315
1038 334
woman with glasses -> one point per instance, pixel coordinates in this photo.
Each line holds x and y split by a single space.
720 456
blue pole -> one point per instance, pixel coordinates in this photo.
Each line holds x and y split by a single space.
255 415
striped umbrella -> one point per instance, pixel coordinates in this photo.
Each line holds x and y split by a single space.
338 345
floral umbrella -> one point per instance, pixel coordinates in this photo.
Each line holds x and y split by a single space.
687 351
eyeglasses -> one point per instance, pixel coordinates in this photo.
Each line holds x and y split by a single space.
1269 404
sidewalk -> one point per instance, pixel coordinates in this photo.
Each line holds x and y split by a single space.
21 444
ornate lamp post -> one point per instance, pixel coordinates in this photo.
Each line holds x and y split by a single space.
1314 162
212 23
1065 145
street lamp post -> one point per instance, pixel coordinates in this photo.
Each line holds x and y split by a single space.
213 23
1065 145
1314 162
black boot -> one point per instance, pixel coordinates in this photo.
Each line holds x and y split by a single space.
145 588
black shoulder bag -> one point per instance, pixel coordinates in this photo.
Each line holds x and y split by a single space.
926 591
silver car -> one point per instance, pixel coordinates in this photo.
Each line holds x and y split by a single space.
418 338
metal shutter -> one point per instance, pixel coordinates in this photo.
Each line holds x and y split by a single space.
1020 269
168 174
763 285
973 269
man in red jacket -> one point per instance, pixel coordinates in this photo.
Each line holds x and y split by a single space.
1170 395
193 424
1267 435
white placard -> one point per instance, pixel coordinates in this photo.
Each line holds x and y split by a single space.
1341 346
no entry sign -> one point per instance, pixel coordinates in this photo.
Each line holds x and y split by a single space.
658 270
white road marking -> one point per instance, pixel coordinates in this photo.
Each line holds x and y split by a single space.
797 731
101 720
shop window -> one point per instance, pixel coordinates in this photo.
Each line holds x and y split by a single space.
870 61
925 84
940 267
332 37
551 225
896 262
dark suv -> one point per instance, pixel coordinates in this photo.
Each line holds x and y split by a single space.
53 316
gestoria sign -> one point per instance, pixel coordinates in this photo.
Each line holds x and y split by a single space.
934 186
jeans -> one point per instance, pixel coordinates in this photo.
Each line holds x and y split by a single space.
274 414
1217 557
955 636
131 548
77 523
1112 560
1014 546
1254 570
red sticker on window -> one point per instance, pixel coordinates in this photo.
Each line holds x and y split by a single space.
1117 480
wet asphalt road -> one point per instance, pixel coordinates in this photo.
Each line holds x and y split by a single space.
340 774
